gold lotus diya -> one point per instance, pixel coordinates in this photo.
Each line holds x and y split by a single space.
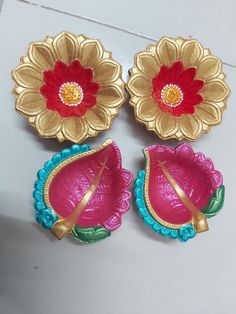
178 89
68 87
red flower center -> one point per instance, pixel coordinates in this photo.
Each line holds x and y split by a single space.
175 89
69 89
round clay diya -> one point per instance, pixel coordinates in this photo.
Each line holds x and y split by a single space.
68 87
177 89
83 191
178 191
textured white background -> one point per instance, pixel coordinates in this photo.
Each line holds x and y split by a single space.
135 271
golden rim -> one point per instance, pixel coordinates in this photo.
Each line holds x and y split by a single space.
66 47
209 69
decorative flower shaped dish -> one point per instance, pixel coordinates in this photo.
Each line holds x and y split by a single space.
178 89
178 191
68 87
83 191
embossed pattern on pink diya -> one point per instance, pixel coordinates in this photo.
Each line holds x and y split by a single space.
193 172
109 200
82 191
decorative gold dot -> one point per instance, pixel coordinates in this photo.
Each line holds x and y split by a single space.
171 95
71 94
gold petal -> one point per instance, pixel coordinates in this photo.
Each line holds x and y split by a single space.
147 63
210 67
107 72
41 54
190 126
80 38
30 103
192 51
110 96
215 90
146 109
167 49
209 113
27 75
166 124
75 129
48 123
98 119
139 85
65 45
91 53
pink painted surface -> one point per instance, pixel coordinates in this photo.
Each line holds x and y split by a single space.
193 172
109 201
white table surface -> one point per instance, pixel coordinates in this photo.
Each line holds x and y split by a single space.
135 271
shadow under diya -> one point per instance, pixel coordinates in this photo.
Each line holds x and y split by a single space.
83 191
178 191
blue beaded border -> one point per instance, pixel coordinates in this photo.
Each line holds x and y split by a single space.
183 234
45 215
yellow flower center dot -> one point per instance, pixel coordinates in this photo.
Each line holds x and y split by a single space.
171 95
71 93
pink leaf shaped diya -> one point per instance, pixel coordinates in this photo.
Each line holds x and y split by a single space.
178 191
83 191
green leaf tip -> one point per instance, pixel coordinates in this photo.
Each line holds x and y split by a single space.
90 234
216 203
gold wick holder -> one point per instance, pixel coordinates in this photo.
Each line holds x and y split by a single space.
199 220
64 226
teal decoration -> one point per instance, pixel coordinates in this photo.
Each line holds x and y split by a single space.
46 218
45 215
216 203
183 234
90 234
186 232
